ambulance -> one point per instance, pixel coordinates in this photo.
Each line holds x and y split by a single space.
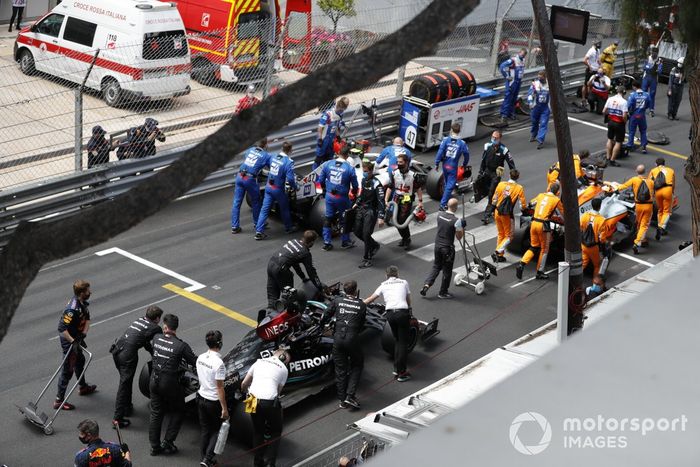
143 50
234 40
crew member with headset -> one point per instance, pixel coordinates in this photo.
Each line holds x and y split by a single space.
293 254
167 394
369 210
264 381
391 153
643 205
449 153
664 179
350 313
125 352
495 155
650 77
448 227
338 179
256 158
280 180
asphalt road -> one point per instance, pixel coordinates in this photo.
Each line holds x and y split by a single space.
192 238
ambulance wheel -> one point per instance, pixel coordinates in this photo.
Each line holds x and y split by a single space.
317 215
459 277
388 338
112 92
479 288
26 63
48 430
145 380
435 184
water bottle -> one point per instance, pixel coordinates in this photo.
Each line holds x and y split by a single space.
223 436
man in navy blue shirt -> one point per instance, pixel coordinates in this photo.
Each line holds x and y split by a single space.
337 178
256 158
98 452
280 179
451 150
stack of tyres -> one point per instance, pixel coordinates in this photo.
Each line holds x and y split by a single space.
443 85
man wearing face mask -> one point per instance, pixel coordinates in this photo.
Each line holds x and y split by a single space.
592 62
650 78
338 179
495 156
607 58
98 452
512 70
675 89
330 125
538 99
598 89
392 153
369 210
451 150
402 189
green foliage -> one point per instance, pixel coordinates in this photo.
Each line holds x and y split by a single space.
337 9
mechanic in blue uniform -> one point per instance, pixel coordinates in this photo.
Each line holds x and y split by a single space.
451 150
637 104
392 152
98 452
72 330
280 179
650 77
256 158
675 88
512 70
538 100
337 178
330 125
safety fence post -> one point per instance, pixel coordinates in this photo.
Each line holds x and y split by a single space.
562 301
78 129
400 77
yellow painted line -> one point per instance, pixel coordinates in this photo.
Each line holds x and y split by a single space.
211 305
667 152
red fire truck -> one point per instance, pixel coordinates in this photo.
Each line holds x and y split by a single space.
230 39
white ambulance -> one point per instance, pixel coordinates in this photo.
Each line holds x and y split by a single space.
143 52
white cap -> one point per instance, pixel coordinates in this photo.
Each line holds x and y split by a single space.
251 88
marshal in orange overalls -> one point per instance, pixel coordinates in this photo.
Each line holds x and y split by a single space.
663 195
545 204
643 209
591 254
505 223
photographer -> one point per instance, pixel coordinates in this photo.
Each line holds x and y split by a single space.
151 133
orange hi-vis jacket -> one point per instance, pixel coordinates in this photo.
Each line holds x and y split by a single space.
643 209
591 254
664 195
553 171
544 205
635 182
510 189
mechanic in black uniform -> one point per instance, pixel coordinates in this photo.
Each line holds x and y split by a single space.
167 395
291 255
98 452
369 210
495 155
125 352
350 313
448 226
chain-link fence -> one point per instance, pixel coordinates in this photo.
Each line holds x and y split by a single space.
191 83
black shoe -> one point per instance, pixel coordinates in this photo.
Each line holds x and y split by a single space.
342 405
374 251
651 112
156 451
292 229
407 244
129 410
658 235
635 249
501 259
405 376
327 247
445 295
352 402
494 257
366 263
402 242
87 389
260 236
540 145
543 276
519 270
664 232
485 220
442 208
614 163
669 116
168 447
122 422
532 138
424 290
235 230
347 245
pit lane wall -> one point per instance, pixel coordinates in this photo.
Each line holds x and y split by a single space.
403 420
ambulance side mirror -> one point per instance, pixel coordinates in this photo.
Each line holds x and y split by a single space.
33 28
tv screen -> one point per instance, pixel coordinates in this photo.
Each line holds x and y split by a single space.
569 25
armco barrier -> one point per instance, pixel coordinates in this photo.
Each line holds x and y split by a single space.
61 196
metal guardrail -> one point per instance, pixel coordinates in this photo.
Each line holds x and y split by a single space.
62 196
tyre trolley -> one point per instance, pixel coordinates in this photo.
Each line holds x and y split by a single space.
478 271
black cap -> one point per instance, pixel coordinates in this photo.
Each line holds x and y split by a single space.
97 130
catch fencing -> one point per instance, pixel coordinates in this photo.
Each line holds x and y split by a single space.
46 117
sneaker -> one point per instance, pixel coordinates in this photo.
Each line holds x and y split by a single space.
407 244
519 270
402 242
365 264
168 447
644 150
64 406
123 423
373 251
543 276
424 290
260 235
445 295
501 259
235 230
651 112
405 376
635 249
540 145
342 405
352 402
512 117
494 257
658 235
664 232
348 244
327 247
87 389
292 229
614 163
156 451
532 139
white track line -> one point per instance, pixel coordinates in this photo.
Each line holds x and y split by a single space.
636 260
194 285
531 279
